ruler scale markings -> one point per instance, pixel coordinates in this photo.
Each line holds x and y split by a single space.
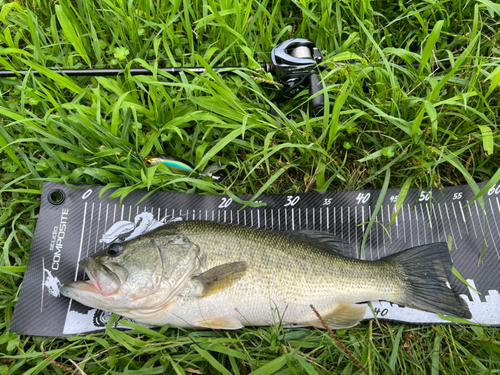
436 221
430 222
449 223
106 221
258 218
238 215
383 234
423 223
370 234
349 221
479 217
416 220
81 240
411 226
307 219
494 218
463 217
442 221
314 219
286 220
491 234
293 219
356 224
265 218
327 219
251 218
98 225
90 231
397 224
272 219
121 217
114 214
456 219
159 213
224 216
483 230
300 218
389 222
404 225
321 219
498 205
341 221
334 221
279 219
231 216
79 252
245 217
363 218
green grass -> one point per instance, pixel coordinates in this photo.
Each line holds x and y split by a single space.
432 129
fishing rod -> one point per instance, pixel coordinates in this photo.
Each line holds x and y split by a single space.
296 62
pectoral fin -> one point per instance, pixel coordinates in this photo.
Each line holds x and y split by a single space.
220 277
341 316
225 322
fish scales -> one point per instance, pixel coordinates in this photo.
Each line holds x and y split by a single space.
284 271
227 276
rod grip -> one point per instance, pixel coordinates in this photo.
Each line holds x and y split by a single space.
318 102
275 114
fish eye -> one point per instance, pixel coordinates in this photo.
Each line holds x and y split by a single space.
114 249
148 162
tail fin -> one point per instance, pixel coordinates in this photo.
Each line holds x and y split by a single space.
423 270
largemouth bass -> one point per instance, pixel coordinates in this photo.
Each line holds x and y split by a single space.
224 276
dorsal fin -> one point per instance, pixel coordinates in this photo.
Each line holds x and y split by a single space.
324 241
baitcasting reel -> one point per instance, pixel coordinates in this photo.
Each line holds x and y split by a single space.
296 63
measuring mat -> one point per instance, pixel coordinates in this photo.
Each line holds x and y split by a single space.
76 223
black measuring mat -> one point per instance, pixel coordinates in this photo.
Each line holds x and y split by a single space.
75 223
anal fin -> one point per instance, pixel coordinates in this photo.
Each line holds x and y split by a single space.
225 322
341 316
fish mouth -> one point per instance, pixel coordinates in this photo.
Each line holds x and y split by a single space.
90 266
90 283
101 279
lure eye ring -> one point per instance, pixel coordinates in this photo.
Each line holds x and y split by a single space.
114 249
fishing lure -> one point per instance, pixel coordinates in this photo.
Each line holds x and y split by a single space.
178 165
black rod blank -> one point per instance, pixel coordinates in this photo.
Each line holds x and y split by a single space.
110 72
267 67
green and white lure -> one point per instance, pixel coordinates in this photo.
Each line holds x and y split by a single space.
180 166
